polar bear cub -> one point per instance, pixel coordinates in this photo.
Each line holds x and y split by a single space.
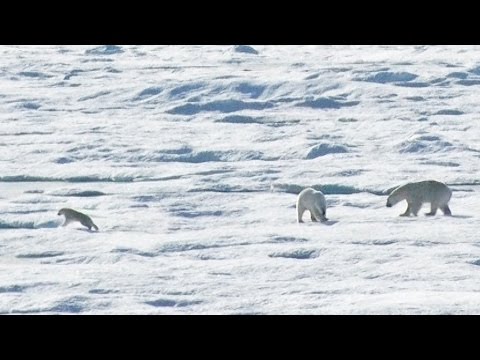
72 215
416 193
313 201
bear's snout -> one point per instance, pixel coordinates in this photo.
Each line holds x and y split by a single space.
389 205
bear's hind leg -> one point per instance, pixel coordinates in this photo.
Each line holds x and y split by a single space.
86 224
433 209
312 216
446 210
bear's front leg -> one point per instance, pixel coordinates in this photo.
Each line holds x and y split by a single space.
407 212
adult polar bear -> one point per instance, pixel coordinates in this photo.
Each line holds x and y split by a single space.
313 201
436 193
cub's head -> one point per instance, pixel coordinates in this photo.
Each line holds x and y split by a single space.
61 212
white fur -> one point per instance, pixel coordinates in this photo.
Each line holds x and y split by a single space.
73 215
416 194
313 201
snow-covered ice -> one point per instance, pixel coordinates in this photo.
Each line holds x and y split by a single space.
190 158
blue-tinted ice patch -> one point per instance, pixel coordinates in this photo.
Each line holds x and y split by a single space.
149 92
468 82
449 112
172 303
384 77
312 76
347 120
34 74
325 149
72 179
79 193
441 163
16 224
475 70
188 155
30 105
223 106
13 288
327 103
94 96
301 254
40 255
64 160
412 84
72 73
425 144
194 214
327 189
184 90
457 75
103 291
105 50
240 119
245 49
254 91
112 70
285 239
178 151
415 98
73 305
